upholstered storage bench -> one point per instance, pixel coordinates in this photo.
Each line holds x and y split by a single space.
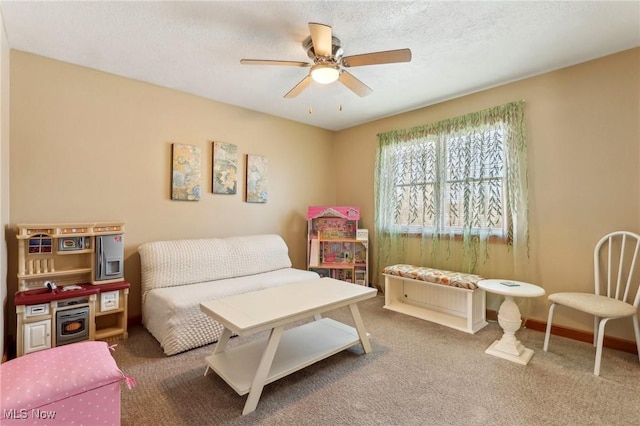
76 384
448 298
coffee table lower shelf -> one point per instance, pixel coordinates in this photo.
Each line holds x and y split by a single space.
299 347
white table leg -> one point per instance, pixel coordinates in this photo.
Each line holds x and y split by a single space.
509 347
221 345
263 370
222 341
357 319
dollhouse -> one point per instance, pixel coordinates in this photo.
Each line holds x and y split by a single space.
336 248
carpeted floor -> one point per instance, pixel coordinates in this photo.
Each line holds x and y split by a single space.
418 373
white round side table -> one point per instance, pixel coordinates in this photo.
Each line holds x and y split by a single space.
509 347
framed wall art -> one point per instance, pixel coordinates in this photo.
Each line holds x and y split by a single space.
185 173
257 172
225 168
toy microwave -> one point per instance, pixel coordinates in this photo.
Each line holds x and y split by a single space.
73 243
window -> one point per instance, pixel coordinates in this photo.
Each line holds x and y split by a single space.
461 179
446 184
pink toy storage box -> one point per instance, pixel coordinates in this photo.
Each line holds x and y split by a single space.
72 384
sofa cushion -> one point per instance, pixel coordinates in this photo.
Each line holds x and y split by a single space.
173 316
181 262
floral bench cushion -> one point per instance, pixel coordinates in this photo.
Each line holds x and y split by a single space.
436 276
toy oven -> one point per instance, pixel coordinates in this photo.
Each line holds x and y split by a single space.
72 325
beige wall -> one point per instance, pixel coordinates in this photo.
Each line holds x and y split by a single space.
583 137
4 177
87 145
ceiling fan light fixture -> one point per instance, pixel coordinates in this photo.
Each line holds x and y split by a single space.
329 64
325 73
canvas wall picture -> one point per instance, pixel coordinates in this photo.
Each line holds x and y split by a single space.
225 168
185 177
257 171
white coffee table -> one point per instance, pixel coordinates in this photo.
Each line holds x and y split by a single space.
247 368
509 347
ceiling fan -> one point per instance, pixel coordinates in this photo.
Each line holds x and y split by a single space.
326 52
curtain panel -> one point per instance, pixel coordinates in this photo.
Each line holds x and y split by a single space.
450 189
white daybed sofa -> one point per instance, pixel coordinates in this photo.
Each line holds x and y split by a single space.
178 275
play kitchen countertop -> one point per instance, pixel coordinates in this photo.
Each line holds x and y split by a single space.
44 295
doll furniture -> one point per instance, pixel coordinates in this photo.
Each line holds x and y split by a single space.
336 248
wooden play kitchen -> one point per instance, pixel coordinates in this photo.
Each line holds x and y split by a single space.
71 285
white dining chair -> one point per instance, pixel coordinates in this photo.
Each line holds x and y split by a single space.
617 291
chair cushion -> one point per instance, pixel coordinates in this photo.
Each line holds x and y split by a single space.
600 306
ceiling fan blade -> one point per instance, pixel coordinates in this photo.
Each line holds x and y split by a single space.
355 85
386 57
299 87
269 62
321 38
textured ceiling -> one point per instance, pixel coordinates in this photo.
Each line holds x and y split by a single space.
195 47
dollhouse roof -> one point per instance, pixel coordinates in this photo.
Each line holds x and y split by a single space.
346 212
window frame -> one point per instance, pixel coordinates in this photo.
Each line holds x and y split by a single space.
440 184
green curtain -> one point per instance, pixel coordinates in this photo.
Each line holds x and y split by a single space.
481 159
